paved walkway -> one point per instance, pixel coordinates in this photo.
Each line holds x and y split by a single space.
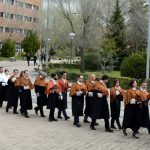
36 133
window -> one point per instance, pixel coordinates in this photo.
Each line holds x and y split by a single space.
28 6
14 30
19 17
35 20
19 4
7 29
1 29
8 16
11 2
26 18
1 14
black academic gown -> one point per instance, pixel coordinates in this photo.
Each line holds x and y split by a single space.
12 94
42 98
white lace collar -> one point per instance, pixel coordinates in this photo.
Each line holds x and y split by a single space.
79 83
142 89
134 89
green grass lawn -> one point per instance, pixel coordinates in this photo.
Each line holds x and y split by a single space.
7 58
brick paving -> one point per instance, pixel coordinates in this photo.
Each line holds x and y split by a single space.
36 133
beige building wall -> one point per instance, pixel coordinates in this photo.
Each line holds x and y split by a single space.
13 27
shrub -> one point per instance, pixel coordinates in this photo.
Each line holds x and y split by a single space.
8 48
91 61
134 66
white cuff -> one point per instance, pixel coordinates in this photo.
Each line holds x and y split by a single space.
26 87
90 94
117 92
133 101
100 95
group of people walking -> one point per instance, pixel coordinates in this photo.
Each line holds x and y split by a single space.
93 93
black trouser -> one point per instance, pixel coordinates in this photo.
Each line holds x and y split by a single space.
28 63
1 100
76 120
24 110
64 112
105 120
51 114
9 106
117 121
40 108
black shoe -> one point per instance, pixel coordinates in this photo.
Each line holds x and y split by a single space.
66 118
50 119
108 130
43 115
78 125
60 117
7 109
135 136
120 127
36 111
86 121
15 112
26 116
124 131
113 127
92 127
54 119
96 124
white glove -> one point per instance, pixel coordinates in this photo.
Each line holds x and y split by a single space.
100 95
3 84
117 92
90 94
37 94
61 97
26 87
133 101
79 93
13 79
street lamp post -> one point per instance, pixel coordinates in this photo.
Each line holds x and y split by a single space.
71 35
47 34
148 47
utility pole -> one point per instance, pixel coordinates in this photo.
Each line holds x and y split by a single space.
47 34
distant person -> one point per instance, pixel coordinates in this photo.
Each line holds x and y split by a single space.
13 92
42 58
28 59
35 59
40 86
5 85
1 80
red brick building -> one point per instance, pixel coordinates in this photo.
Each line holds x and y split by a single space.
17 17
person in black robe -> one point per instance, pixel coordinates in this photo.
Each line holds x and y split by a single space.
52 91
144 109
40 86
64 87
13 92
99 108
116 96
131 117
77 92
1 81
25 93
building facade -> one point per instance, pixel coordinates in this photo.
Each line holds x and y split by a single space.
17 17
